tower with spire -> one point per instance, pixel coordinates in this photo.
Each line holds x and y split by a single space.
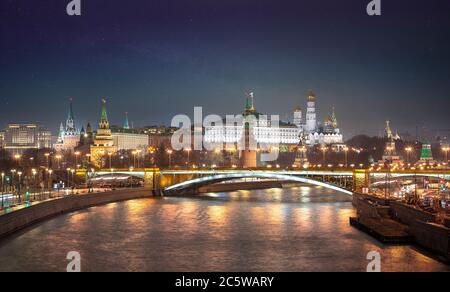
250 108
103 136
103 141
69 136
311 116
126 124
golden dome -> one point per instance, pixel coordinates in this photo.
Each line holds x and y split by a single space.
311 96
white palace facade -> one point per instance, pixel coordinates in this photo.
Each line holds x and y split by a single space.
267 132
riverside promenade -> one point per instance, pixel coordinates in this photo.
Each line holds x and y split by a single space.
27 215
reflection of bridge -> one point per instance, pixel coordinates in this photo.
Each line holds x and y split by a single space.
182 181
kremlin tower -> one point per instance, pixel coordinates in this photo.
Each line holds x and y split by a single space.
311 116
103 141
69 136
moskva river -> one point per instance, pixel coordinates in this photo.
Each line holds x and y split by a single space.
296 229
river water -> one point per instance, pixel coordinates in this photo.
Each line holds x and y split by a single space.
297 229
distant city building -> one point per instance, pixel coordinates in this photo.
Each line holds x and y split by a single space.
69 136
2 139
159 136
103 141
18 138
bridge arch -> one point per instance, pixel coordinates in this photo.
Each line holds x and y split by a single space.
207 180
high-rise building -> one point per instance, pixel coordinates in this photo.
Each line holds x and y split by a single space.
103 141
69 136
21 137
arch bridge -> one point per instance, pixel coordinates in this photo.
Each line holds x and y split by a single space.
184 181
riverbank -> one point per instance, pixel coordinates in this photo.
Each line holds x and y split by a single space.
20 219
391 221
276 230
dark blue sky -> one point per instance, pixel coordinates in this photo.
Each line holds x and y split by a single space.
158 58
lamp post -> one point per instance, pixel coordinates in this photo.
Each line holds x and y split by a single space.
134 158
13 172
446 149
346 155
18 158
169 152
68 177
3 187
47 155
77 153
188 150
88 159
58 159
34 172
50 171
110 155
324 151
138 157
72 171
408 153
19 173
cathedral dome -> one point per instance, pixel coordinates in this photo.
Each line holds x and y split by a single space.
311 96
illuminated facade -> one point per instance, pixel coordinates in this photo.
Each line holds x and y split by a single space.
18 138
103 141
266 131
69 136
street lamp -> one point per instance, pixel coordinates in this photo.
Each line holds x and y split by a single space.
20 181
169 152
58 159
72 171
324 151
139 157
134 158
3 187
50 171
346 155
47 155
77 153
188 150
446 149
110 155
408 153
68 177
13 172
18 158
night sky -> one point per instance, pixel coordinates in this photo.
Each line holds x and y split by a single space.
158 58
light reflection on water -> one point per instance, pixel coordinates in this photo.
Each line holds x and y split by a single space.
298 229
